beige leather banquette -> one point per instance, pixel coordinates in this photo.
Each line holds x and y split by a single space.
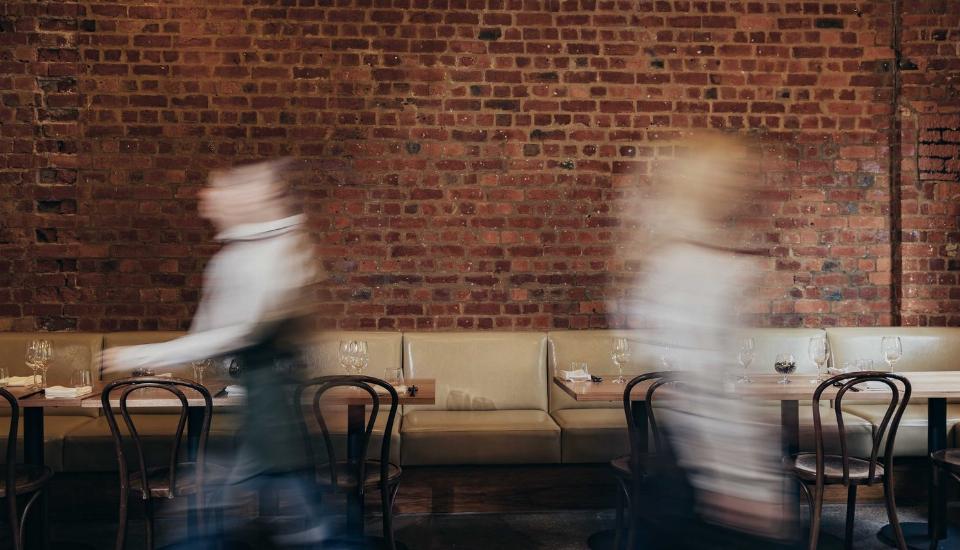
924 349
496 403
596 431
491 405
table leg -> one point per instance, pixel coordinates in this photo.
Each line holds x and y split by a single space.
917 533
35 532
194 427
355 431
790 427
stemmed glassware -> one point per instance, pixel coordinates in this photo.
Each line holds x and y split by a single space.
199 367
892 350
620 355
39 353
819 354
785 365
745 357
353 356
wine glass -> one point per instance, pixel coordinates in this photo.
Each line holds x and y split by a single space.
892 350
363 358
38 359
346 355
199 367
819 354
785 365
745 357
620 355
393 376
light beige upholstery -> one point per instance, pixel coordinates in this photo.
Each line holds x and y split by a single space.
491 400
924 348
912 434
383 348
480 371
593 347
480 437
55 429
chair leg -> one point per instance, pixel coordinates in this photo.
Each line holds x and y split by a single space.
938 498
387 496
891 505
621 505
815 514
851 512
148 516
122 520
13 518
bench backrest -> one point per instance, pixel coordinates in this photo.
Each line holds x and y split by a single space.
480 371
924 348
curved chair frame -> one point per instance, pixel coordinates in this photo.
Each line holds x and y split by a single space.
172 385
888 427
626 486
14 518
388 488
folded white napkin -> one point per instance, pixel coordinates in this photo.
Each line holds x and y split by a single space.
235 391
16 381
381 389
62 391
578 375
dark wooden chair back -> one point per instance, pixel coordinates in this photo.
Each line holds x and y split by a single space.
639 434
174 386
888 426
322 385
10 474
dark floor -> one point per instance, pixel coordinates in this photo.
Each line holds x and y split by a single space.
526 531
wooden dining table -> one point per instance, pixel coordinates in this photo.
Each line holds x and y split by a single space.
935 387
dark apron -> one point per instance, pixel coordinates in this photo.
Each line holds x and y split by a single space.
270 438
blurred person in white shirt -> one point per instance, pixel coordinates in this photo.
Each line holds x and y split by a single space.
720 484
255 307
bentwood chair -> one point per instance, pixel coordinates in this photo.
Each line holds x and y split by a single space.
19 479
173 479
945 461
818 469
344 476
630 468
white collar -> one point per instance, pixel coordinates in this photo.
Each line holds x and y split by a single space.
261 230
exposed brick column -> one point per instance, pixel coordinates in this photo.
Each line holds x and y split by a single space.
38 137
930 169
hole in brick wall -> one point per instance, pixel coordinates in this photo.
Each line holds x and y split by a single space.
46 235
939 34
88 25
657 63
908 65
490 34
828 23
57 323
6 25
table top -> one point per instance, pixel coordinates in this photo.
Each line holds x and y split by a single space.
155 397
924 385
21 392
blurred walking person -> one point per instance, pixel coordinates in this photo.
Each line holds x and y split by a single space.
718 483
255 307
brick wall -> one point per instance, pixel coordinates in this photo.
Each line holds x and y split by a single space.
464 159
930 182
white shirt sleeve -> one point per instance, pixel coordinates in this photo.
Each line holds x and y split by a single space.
247 287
